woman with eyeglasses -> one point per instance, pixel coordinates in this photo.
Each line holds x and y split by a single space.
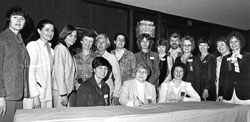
138 91
193 76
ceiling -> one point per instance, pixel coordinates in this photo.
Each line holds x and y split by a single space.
232 13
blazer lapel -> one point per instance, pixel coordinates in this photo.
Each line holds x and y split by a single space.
134 89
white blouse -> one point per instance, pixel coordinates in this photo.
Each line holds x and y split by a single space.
169 93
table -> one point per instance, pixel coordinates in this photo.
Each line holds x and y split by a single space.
169 112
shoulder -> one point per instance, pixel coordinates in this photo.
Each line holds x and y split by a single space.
60 47
153 53
78 56
32 44
128 82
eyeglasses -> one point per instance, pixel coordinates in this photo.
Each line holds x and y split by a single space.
188 45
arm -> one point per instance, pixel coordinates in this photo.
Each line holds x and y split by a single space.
155 64
211 72
194 96
223 78
163 93
153 94
82 95
132 64
124 96
59 69
117 76
33 51
2 85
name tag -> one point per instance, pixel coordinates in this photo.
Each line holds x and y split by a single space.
151 58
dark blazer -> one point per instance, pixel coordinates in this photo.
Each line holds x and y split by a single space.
90 94
151 59
193 71
208 76
229 79
14 62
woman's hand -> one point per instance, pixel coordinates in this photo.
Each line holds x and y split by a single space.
36 102
65 100
220 99
138 102
2 106
205 94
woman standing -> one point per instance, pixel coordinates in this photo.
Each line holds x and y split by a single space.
148 58
208 71
177 89
85 57
14 62
192 63
162 47
235 69
223 49
41 66
126 58
64 67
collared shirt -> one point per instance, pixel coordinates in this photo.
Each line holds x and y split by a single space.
141 90
175 53
84 66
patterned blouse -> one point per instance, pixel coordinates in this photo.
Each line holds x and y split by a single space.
84 66
127 64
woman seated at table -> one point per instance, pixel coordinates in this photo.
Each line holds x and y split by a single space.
94 91
177 89
138 91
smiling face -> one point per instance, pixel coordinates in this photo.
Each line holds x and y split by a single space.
141 74
47 32
101 44
161 49
203 47
178 73
87 42
16 23
120 41
145 43
234 43
101 71
71 38
187 46
222 47
174 42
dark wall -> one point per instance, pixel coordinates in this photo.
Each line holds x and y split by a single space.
110 18
79 13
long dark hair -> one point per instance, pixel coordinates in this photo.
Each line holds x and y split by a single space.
67 30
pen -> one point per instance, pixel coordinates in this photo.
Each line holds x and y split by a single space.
139 100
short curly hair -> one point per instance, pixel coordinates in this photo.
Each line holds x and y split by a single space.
181 65
103 36
15 11
148 37
162 42
223 39
204 40
238 36
189 38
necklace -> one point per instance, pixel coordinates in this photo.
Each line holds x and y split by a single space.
99 91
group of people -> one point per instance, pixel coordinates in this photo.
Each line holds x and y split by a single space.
36 76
